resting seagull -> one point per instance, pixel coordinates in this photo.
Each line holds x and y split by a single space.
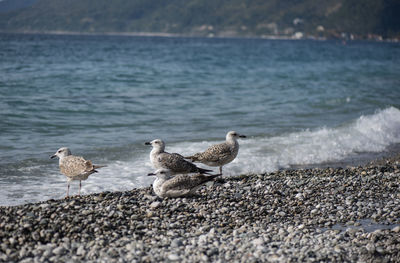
172 161
167 185
74 167
219 154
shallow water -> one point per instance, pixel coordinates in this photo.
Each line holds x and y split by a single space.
299 103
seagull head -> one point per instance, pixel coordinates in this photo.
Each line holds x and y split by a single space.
62 152
162 174
234 135
157 144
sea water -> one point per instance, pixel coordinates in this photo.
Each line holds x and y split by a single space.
300 103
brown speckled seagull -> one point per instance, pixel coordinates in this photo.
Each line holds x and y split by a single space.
219 154
172 161
167 185
74 167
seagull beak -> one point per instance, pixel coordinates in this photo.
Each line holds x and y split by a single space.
242 136
53 156
147 143
151 174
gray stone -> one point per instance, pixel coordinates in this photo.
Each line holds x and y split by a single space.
59 251
173 257
155 204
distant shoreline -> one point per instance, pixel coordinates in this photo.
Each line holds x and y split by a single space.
144 34
176 35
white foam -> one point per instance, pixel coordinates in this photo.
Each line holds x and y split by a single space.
121 175
372 133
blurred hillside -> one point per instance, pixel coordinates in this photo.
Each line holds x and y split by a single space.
230 18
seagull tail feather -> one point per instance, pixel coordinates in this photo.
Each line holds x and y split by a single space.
204 171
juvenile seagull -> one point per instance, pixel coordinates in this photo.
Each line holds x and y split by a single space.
172 161
166 185
74 167
219 154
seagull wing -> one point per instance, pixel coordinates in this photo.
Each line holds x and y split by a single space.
176 163
183 184
217 152
183 181
180 185
73 166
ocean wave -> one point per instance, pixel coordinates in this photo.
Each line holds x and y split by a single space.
370 133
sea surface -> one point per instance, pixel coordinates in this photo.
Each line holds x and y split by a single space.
301 103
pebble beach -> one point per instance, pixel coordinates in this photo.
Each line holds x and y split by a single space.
347 214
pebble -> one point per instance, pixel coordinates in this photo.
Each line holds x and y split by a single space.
173 257
396 229
58 250
80 251
176 243
258 242
155 204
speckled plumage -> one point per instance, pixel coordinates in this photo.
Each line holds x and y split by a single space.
219 154
180 185
74 167
172 161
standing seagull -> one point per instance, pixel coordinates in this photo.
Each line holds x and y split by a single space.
172 161
166 185
219 154
74 167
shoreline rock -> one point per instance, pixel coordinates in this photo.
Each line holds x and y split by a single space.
319 214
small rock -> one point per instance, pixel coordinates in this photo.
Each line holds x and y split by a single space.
370 247
257 242
80 251
155 204
396 229
177 242
44 206
173 257
59 251
299 196
238 196
12 241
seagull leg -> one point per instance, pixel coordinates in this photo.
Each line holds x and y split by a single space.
67 189
220 170
80 186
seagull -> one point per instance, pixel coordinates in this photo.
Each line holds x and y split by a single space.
219 154
172 161
74 167
167 185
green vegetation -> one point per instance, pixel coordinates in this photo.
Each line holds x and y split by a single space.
325 18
